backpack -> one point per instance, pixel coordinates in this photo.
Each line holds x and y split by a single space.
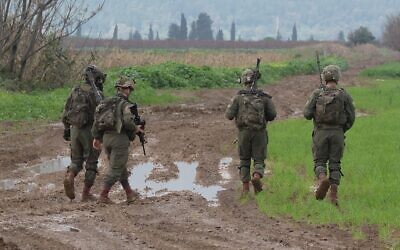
106 114
329 107
251 110
77 109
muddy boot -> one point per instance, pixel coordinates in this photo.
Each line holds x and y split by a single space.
104 196
69 184
333 194
256 181
323 186
245 189
86 195
131 196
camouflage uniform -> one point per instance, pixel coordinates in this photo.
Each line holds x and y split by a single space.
116 144
80 135
333 113
251 109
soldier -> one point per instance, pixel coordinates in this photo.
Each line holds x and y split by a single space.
114 128
252 109
78 118
332 111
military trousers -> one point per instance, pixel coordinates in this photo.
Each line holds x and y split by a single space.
252 144
328 147
83 151
116 146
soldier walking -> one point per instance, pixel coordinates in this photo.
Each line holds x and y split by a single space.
113 129
333 113
78 118
252 109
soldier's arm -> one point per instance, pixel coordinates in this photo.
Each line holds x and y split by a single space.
350 112
232 109
270 111
309 108
97 134
64 114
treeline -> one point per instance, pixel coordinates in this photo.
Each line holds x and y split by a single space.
79 43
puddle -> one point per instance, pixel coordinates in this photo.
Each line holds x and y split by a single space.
223 169
8 184
185 181
51 166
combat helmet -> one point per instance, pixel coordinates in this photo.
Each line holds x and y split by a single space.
124 82
93 70
249 75
331 73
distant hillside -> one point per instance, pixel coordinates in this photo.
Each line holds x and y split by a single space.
255 19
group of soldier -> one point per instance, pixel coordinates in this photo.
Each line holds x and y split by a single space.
91 125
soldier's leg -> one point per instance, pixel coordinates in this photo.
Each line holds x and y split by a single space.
335 155
131 196
321 155
119 145
91 157
259 152
76 163
244 148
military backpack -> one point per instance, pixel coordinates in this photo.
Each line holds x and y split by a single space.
77 109
329 107
106 115
251 112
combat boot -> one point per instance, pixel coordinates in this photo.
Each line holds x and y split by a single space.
131 196
104 196
333 194
245 189
86 195
256 181
323 186
69 184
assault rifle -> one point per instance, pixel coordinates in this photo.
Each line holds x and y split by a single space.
140 122
321 85
257 73
97 94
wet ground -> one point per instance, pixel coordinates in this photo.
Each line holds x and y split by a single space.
188 185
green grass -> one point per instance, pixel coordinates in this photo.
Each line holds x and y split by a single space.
369 190
384 71
177 75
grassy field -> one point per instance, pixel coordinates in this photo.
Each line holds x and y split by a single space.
154 84
369 190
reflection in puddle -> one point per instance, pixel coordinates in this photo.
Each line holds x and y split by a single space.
8 184
184 182
224 170
51 166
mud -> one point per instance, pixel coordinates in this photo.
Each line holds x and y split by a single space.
194 133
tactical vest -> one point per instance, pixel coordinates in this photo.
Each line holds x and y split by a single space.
78 110
108 114
330 107
251 113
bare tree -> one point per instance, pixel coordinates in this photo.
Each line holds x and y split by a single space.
29 26
391 33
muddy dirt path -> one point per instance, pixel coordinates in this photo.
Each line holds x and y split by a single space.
190 151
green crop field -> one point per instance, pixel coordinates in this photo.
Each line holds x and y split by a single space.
368 193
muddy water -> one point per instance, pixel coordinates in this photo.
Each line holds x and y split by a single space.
186 181
8 184
51 166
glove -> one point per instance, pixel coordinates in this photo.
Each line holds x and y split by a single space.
67 134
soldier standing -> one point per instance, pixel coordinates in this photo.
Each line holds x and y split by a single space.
78 118
113 129
252 109
333 113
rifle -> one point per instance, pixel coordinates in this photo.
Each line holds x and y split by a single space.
97 94
321 85
257 72
140 122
